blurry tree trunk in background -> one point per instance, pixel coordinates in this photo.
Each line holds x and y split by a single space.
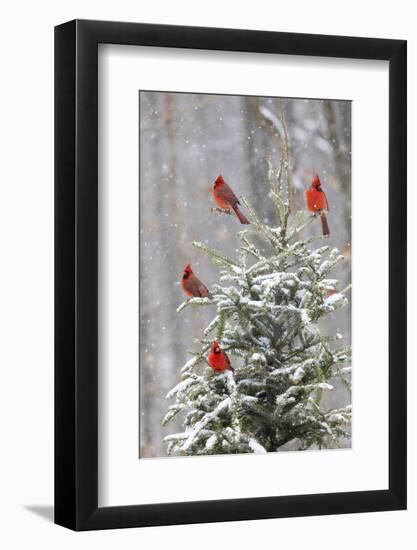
178 250
150 205
261 141
175 245
171 194
335 115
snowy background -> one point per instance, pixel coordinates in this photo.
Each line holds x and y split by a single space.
186 141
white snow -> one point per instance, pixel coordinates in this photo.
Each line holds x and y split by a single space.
336 417
181 387
334 299
256 447
208 417
258 358
211 442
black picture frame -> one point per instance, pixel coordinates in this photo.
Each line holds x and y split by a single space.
76 272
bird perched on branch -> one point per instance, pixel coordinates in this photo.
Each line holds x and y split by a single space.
226 199
192 286
317 203
218 359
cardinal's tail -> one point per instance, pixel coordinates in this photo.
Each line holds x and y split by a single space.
203 292
239 214
324 224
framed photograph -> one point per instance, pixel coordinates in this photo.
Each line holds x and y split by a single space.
230 244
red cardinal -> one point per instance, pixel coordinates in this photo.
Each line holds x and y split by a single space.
317 203
192 286
218 359
226 199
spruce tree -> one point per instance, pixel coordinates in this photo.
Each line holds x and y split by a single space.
269 303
